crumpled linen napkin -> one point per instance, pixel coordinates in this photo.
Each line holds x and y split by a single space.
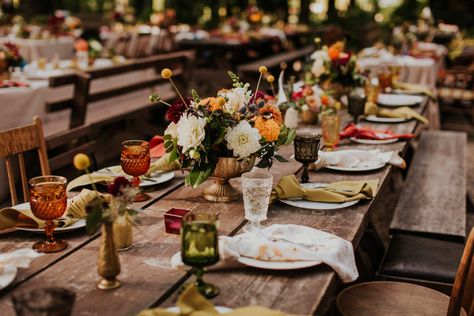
413 87
352 130
76 209
288 243
162 164
20 258
354 158
401 112
337 192
192 303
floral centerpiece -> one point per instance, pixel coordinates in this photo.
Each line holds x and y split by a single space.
9 57
333 68
236 123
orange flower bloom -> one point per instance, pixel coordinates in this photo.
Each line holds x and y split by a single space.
81 45
325 99
212 103
269 129
270 112
335 49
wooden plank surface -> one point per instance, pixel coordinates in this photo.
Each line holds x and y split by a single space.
434 197
77 239
149 280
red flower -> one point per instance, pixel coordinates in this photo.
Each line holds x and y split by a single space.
259 95
297 95
116 188
176 110
344 58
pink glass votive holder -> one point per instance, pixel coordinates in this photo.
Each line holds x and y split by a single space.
174 219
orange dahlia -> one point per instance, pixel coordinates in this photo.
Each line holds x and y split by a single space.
270 112
269 129
213 103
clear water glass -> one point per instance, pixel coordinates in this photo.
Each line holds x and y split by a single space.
256 189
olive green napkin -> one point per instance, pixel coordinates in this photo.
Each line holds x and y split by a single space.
401 112
413 87
192 303
12 217
336 192
162 164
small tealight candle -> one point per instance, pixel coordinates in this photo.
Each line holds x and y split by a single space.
174 219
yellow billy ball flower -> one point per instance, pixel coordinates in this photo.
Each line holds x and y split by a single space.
166 73
81 161
270 79
262 69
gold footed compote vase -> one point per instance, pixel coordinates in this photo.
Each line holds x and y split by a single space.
220 190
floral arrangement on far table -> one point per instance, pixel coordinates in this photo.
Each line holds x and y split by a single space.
334 64
10 57
235 122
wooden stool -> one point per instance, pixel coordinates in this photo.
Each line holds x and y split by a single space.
397 298
383 298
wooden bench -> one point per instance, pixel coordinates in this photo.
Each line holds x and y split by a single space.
429 224
249 72
179 62
433 200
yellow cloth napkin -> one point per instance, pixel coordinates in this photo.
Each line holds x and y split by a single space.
10 217
401 112
162 164
336 192
413 87
192 303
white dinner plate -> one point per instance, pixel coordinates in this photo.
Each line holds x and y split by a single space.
375 141
356 169
277 265
77 225
378 119
219 309
310 205
7 276
146 181
396 100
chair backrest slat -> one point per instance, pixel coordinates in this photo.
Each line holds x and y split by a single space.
462 294
16 141
24 177
11 180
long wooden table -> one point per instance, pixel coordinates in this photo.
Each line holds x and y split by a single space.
147 277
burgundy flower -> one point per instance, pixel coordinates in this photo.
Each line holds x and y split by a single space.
344 58
116 188
176 110
257 96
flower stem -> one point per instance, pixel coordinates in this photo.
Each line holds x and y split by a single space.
258 84
177 91
273 89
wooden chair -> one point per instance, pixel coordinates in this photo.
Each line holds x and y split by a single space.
397 298
16 142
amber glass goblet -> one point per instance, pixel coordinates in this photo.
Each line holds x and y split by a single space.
48 201
330 129
200 247
306 151
135 161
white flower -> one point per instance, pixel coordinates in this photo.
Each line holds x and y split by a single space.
243 139
235 98
172 130
95 45
191 131
318 68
